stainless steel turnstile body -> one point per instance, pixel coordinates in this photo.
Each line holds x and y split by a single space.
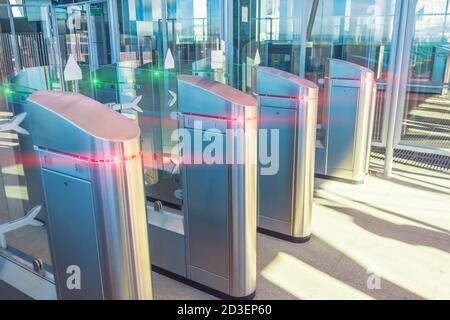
92 176
345 134
288 104
213 241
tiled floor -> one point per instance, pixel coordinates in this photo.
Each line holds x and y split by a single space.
386 239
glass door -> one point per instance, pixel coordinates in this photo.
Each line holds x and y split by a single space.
84 34
188 38
274 37
194 37
26 64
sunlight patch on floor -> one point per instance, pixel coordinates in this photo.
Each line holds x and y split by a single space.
331 199
425 202
16 192
422 270
16 170
307 282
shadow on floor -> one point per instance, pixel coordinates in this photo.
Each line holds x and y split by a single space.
405 233
441 175
413 185
422 181
326 259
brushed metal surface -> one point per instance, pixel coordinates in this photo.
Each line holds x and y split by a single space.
305 159
208 208
168 249
349 104
342 129
244 205
276 192
228 224
70 219
209 279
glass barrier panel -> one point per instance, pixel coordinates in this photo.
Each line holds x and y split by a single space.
360 33
20 189
426 117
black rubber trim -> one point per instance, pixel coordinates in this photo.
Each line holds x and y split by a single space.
283 236
200 286
322 176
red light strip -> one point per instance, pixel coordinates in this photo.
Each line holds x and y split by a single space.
108 161
98 161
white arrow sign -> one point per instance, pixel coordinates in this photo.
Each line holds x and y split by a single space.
27 220
169 62
72 71
257 58
173 98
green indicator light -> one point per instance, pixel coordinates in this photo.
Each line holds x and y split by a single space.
96 82
156 73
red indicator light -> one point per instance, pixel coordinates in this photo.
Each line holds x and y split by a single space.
96 160
115 159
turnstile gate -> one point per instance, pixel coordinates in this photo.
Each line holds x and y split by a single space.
287 104
346 122
92 178
212 242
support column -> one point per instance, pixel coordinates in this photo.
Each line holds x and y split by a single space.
227 33
114 31
14 43
307 11
398 75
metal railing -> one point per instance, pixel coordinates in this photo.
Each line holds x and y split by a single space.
379 113
32 50
7 60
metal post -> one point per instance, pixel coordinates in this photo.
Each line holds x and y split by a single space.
404 72
93 61
93 58
165 43
227 36
164 29
307 11
401 47
114 30
392 87
14 43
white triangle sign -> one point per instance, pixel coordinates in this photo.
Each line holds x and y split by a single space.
257 57
72 71
169 62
